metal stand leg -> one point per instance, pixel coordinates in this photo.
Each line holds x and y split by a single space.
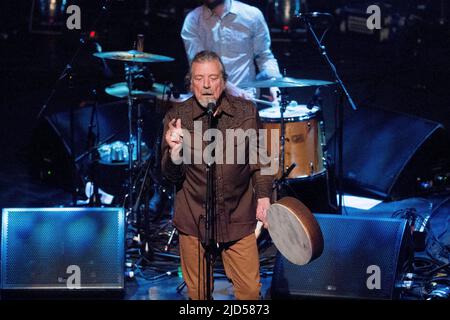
181 286
172 233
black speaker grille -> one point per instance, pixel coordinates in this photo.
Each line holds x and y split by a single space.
378 146
351 245
39 245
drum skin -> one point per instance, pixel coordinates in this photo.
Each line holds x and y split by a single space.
295 231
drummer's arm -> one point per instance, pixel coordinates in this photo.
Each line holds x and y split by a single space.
192 37
265 60
238 92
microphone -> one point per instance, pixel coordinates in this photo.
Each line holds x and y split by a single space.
307 15
315 100
211 107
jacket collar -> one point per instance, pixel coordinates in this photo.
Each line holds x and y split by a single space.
225 106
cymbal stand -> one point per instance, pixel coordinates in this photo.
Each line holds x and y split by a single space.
283 105
143 197
140 122
130 70
174 230
133 205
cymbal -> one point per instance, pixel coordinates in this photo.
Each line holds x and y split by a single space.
133 56
158 90
285 82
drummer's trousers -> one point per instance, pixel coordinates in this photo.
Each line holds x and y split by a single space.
241 263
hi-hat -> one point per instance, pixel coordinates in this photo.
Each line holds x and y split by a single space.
133 56
285 82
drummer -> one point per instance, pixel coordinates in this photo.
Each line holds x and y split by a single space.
238 33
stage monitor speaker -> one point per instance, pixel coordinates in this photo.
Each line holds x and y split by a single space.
362 259
384 152
46 249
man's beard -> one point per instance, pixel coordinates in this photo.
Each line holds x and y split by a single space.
213 4
205 101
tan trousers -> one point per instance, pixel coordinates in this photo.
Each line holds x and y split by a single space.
240 260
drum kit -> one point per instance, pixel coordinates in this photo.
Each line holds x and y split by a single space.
141 160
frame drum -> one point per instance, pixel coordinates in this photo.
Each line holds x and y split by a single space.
295 231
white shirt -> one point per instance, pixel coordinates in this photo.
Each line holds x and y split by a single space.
240 37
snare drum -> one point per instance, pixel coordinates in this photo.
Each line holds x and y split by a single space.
304 138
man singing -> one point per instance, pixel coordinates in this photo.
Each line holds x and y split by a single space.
241 190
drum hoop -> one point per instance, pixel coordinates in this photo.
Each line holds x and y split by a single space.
289 119
313 176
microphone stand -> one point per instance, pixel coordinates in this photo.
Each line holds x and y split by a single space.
340 106
283 106
278 183
210 247
131 70
283 171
